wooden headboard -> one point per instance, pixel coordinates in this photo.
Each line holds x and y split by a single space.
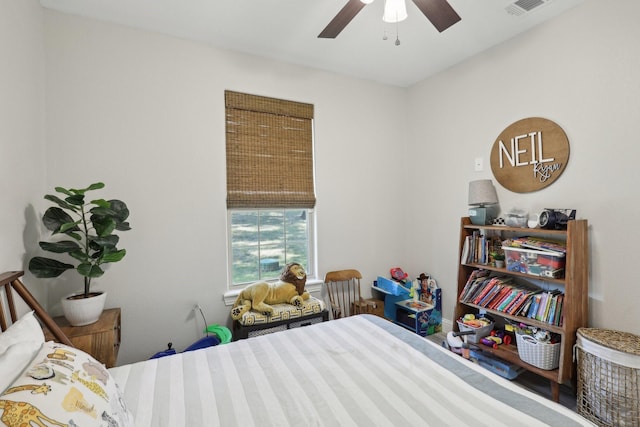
10 281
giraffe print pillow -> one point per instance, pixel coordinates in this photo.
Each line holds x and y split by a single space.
64 386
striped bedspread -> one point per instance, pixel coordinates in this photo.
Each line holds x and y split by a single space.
358 371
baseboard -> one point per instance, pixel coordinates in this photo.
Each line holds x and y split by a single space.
447 325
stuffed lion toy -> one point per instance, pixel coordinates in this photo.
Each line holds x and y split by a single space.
260 295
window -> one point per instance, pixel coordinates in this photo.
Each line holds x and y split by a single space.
270 187
264 240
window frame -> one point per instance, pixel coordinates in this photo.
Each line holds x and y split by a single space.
310 268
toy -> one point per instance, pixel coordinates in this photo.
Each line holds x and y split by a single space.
398 274
168 352
427 288
540 335
472 321
496 338
458 345
260 295
414 291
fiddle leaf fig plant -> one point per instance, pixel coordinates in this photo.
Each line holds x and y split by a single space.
88 228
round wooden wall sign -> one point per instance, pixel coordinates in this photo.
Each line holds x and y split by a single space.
529 155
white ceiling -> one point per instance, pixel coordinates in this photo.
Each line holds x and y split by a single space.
287 30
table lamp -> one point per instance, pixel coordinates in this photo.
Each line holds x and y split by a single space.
483 202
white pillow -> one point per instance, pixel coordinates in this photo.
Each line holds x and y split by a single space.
18 344
67 386
26 328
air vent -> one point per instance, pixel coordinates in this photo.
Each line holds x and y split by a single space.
521 7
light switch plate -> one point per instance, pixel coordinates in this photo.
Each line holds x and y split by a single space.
478 164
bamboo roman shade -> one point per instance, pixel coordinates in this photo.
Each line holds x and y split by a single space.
269 152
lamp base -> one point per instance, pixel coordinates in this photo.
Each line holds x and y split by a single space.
483 215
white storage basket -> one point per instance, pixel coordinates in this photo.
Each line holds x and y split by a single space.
540 354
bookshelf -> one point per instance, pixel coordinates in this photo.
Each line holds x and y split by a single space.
574 285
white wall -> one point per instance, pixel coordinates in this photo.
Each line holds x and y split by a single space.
144 113
579 70
22 122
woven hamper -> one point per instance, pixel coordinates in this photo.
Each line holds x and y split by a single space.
608 377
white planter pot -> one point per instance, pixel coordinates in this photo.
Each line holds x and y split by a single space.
83 311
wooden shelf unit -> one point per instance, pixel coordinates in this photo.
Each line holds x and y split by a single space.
575 285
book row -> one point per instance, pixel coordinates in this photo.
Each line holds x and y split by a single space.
501 293
477 248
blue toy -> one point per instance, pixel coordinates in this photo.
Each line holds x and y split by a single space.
220 335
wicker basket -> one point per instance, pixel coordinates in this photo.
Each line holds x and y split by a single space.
608 377
539 354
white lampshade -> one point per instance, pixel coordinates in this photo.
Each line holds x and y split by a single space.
366 1
482 193
394 11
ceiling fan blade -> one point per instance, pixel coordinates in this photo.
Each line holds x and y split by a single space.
439 12
337 24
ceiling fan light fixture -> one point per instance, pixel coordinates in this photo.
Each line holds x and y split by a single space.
439 12
394 11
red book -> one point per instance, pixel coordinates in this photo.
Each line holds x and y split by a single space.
520 303
501 296
495 291
486 289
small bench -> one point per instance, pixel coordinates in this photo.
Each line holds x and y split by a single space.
285 316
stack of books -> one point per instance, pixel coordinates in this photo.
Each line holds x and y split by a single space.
477 247
547 307
531 242
501 293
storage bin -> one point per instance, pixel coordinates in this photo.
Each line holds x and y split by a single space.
497 366
608 367
534 262
393 292
285 316
368 306
516 220
540 354
480 332
422 318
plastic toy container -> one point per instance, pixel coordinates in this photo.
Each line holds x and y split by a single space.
534 262
479 332
497 366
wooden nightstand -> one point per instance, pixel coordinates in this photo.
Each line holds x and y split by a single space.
100 339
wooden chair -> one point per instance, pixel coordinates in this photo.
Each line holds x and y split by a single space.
11 282
343 287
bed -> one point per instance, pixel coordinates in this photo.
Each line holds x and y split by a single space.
361 370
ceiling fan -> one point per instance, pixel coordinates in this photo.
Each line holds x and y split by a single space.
439 12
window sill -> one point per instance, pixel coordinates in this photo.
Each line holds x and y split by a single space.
314 287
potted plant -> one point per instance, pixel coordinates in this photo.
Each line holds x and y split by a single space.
89 239
499 259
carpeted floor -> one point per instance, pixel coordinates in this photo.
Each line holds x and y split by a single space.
531 381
